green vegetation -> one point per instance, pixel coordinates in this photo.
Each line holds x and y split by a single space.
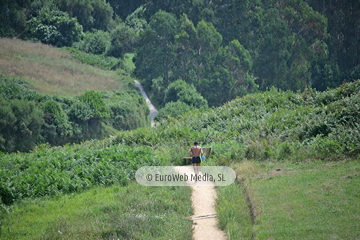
296 156
261 63
56 71
226 49
31 118
61 170
273 125
91 101
297 200
117 212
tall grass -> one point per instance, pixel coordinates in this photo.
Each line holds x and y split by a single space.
54 70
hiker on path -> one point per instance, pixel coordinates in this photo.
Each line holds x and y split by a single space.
195 152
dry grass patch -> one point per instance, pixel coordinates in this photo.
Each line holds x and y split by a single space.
52 70
17 46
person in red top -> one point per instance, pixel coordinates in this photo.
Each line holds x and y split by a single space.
195 152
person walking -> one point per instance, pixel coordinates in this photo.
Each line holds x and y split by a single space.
196 152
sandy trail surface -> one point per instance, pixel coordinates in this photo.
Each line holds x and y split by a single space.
203 197
203 201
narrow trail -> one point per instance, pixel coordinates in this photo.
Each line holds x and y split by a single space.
203 198
153 110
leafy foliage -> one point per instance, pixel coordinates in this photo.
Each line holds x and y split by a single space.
181 91
100 61
97 42
305 44
272 125
173 109
30 118
21 122
49 172
91 14
96 103
55 28
57 127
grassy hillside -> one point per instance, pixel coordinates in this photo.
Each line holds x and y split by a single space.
58 71
296 156
59 96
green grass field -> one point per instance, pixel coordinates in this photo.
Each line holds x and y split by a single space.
307 200
116 212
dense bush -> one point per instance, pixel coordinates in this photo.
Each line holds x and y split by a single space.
180 90
123 39
21 122
271 125
97 42
128 109
53 171
173 109
55 28
57 127
30 118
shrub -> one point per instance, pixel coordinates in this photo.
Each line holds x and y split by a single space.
173 109
180 90
52 171
57 127
55 27
21 123
96 103
97 42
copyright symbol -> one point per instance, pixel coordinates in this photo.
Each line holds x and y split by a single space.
149 177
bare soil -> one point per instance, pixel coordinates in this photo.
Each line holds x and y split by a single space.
203 199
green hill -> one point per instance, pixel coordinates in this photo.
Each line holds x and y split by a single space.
296 156
57 71
59 96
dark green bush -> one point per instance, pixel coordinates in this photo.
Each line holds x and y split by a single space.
96 103
58 120
173 109
21 123
180 90
55 27
97 42
57 127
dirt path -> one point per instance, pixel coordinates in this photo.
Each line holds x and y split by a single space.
204 219
153 110
203 197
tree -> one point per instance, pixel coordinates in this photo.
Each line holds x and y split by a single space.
238 62
20 128
91 14
123 40
96 103
181 91
343 41
155 57
97 42
208 43
186 46
55 28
